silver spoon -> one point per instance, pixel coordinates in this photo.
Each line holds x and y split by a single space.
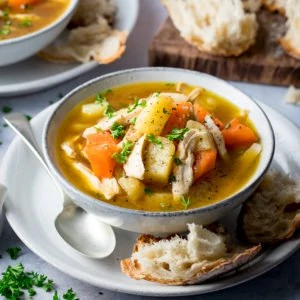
82 231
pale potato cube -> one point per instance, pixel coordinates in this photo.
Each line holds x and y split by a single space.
159 161
155 115
133 188
93 110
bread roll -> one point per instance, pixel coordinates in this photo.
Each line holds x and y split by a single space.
291 41
204 254
213 26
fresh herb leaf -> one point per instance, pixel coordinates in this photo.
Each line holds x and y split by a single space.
133 121
186 202
100 99
28 117
177 161
137 102
14 252
157 94
172 178
177 134
170 84
153 139
109 111
148 191
121 157
6 109
165 111
70 295
26 23
228 125
117 130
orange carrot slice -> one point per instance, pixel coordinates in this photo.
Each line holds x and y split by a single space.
201 113
238 135
205 161
181 112
99 149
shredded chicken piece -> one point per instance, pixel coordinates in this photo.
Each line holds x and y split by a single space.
217 135
181 87
134 167
108 187
68 147
192 96
121 117
177 97
184 172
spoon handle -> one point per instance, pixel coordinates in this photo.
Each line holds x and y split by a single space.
20 125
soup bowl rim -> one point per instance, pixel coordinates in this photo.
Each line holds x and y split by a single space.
70 9
128 211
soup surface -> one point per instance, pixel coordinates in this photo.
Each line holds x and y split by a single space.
158 147
21 17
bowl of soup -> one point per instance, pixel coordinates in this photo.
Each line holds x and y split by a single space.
151 149
27 26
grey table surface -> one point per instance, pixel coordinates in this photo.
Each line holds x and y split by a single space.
283 282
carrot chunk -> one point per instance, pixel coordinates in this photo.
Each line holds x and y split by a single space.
99 149
205 161
19 3
180 114
238 135
200 114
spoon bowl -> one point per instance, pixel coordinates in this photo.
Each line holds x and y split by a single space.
82 231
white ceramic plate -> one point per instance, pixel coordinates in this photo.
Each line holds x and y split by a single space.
36 74
33 203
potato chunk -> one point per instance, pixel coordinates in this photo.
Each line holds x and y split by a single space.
93 110
155 115
132 187
158 161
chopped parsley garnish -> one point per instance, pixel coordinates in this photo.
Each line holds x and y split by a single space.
228 125
15 281
177 161
109 111
28 117
177 134
26 23
5 31
148 191
157 93
133 121
172 178
137 102
170 84
14 252
100 98
117 130
6 109
186 202
165 111
121 157
153 139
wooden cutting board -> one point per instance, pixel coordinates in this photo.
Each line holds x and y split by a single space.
265 62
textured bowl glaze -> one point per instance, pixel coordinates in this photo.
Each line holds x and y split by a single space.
17 49
158 222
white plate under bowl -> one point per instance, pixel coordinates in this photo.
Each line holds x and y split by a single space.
35 74
33 203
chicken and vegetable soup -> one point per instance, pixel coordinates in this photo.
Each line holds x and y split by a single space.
21 17
157 147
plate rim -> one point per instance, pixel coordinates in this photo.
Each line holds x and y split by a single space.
18 89
165 291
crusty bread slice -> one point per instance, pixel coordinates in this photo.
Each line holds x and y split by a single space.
179 261
90 37
213 26
275 5
272 213
291 41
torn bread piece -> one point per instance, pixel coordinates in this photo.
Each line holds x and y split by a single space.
275 5
203 255
272 213
215 27
292 96
91 36
291 41
252 5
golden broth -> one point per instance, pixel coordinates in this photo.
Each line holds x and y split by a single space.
16 22
218 184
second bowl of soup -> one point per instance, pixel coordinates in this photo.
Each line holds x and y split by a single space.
149 150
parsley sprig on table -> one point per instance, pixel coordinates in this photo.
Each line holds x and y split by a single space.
13 252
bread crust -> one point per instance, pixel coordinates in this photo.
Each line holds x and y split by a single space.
237 257
272 6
